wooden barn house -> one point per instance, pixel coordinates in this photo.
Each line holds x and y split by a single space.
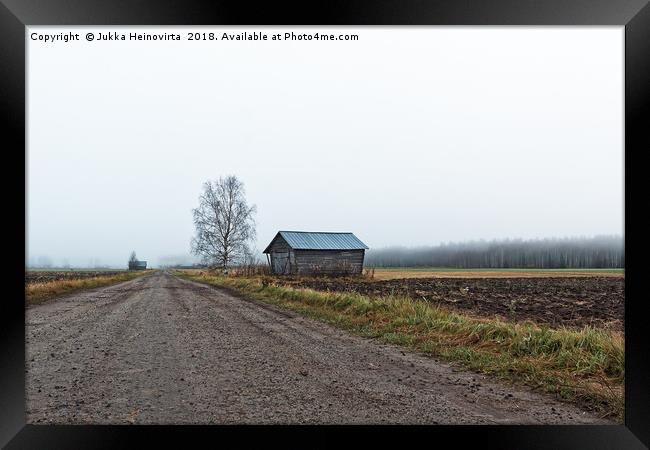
306 252
137 265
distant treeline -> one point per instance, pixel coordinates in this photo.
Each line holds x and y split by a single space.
554 253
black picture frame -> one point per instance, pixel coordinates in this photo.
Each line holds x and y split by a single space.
15 15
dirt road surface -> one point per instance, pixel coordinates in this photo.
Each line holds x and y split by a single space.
161 350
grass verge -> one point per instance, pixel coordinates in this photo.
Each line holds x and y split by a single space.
582 366
36 293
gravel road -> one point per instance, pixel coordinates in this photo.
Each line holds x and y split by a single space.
161 350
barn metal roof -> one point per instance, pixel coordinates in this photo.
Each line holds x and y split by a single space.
309 240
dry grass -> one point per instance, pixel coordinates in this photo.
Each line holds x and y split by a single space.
36 293
583 366
396 273
249 270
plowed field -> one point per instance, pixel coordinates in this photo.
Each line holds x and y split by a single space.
568 301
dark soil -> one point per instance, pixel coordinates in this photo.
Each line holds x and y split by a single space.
573 302
54 275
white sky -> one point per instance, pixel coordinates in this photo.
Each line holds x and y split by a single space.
409 136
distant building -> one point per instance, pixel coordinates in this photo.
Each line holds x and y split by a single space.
306 252
137 265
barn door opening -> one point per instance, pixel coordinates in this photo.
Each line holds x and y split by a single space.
281 263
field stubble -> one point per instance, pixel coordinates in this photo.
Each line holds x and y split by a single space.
556 301
41 286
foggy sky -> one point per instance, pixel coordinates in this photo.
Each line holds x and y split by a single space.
409 136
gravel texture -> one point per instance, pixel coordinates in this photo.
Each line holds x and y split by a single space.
161 350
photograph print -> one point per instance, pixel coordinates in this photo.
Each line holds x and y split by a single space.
324 225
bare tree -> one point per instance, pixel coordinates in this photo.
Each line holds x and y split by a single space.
224 223
132 260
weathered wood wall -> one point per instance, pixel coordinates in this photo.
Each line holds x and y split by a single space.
329 262
282 257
